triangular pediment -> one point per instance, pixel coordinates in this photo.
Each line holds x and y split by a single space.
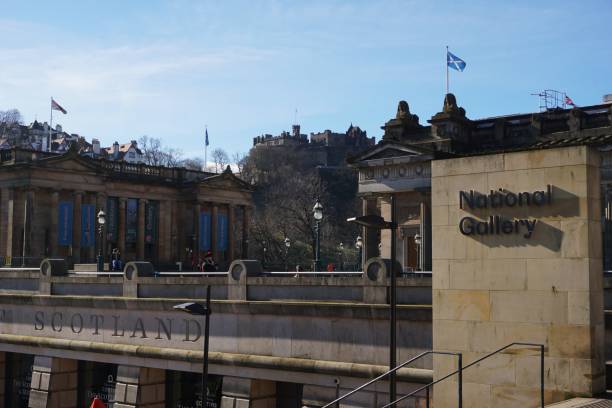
69 161
385 151
225 180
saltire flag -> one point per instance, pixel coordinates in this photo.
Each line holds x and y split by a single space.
568 101
455 62
56 106
207 138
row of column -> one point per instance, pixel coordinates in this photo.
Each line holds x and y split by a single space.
29 225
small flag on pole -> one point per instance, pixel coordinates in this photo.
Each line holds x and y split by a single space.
56 106
568 101
455 62
206 142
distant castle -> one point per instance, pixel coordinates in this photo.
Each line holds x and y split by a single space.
330 148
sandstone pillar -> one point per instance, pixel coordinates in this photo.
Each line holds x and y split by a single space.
197 208
140 246
6 231
54 383
140 387
248 393
53 230
246 219
231 236
495 281
164 234
214 232
121 228
76 227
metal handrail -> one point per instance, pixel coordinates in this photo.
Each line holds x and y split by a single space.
460 370
383 375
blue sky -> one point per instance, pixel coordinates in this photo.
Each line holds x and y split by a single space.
124 69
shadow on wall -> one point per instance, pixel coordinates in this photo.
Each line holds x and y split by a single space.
520 225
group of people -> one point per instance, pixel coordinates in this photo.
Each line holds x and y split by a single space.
116 263
206 264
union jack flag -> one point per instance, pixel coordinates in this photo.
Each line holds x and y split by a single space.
56 106
568 101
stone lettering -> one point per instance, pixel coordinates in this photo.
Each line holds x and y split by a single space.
188 323
116 327
97 321
54 317
162 326
139 326
78 327
39 320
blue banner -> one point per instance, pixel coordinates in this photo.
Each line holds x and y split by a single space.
222 232
64 227
205 230
88 225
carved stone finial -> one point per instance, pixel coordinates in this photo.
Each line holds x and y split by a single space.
228 169
450 105
402 110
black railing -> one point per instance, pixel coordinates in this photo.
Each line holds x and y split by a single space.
336 402
459 373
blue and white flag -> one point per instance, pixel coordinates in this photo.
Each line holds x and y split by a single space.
454 61
207 138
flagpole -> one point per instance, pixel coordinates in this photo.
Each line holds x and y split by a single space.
50 126
447 69
206 149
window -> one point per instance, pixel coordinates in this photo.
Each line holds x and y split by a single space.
132 155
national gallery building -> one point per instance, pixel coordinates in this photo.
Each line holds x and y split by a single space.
49 205
502 231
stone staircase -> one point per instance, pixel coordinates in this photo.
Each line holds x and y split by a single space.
583 403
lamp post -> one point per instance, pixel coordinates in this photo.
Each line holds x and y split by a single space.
201 310
101 222
418 240
287 246
317 212
378 222
359 246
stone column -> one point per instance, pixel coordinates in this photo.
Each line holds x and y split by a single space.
231 236
246 219
121 228
139 387
2 378
164 234
213 240
76 227
53 230
6 226
370 235
54 383
140 239
197 208
247 393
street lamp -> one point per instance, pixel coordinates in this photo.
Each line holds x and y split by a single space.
101 222
378 222
201 310
287 246
418 240
317 213
359 246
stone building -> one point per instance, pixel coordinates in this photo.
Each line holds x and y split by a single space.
401 164
49 202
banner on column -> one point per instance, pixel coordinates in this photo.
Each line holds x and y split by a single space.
151 221
112 217
222 232
64 233
131 222
88 225
205 227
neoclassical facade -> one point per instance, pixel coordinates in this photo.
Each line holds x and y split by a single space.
49 206
400 164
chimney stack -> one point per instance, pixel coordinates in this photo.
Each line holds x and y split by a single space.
116 150
95 145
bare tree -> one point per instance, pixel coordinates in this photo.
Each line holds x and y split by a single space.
155 154
221 159
194 163
11 116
